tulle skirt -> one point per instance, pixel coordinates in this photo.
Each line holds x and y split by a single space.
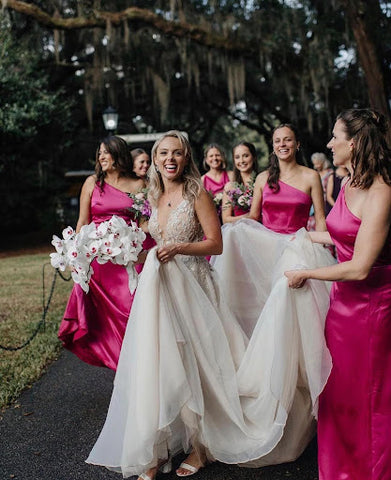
186 376
287 363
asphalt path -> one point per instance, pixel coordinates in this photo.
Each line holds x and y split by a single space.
48 433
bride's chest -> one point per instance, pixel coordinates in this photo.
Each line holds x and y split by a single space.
181 225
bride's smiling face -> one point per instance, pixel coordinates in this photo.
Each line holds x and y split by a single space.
170 158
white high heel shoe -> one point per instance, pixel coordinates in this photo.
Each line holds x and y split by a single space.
165 467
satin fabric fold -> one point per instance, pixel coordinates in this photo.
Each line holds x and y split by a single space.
94 324
355 407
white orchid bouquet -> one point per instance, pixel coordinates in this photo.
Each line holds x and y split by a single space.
113 240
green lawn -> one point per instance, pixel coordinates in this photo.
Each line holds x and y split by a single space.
21 308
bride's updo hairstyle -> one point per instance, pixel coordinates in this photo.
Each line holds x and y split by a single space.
274 166
371 155
191 177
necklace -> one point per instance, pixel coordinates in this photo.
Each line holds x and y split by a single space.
172 200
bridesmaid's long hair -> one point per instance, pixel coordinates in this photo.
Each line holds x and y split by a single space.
191 177
274 166
119 151
237 175
371 154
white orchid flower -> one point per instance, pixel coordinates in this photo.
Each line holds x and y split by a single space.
58 260
68 233
58 244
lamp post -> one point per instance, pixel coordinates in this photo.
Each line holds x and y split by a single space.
110 119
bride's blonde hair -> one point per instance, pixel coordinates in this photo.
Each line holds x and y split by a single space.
191 178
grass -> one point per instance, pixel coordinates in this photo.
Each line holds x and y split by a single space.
21 308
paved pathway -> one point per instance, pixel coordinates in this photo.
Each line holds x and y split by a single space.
49 432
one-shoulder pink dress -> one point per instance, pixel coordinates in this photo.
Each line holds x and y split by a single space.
355 407
285 211
214 187
94 323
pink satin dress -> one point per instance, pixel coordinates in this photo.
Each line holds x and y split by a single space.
355 407
94 323
214 187
285 211
237 211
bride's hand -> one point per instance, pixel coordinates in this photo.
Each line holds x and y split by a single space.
167 253
296 278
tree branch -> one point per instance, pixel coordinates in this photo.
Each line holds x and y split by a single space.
99 19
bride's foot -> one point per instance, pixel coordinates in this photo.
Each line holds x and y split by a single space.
163 466
191 465
149 474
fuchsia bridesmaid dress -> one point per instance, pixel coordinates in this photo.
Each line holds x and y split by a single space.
94 323
214 187
355 407
285 211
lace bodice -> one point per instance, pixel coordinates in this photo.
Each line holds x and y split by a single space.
182 225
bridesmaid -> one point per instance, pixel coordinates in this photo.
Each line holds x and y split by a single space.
245 169
355 406
283 194
216 176
254 258
323 166
334 184
94 324
141 162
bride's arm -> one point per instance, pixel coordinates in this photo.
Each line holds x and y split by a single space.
212 244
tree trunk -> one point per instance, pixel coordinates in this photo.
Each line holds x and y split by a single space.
359 14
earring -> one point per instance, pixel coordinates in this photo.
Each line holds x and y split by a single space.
156 169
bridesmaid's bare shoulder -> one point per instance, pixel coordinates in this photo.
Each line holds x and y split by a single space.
90 183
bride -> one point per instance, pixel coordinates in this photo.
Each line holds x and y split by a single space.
176 384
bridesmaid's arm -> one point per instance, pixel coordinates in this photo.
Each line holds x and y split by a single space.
212 243
256 205
371 238
321 237
318 202
85 202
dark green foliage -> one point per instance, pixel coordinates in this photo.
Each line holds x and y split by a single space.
281 61
34 133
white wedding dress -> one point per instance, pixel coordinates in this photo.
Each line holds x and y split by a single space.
176 384
287 363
